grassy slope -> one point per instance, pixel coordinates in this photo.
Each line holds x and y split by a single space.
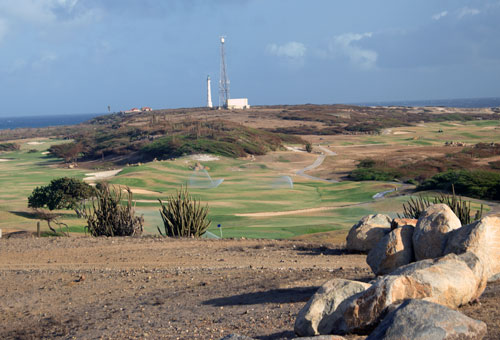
248 187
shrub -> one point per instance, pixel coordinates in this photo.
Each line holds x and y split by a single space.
414 207
9 147
61 193
183 216
108 217
309 147
479 184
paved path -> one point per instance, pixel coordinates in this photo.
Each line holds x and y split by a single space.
316 164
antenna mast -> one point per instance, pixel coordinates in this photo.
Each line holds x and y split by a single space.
224 81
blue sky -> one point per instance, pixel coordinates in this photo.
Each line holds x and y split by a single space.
79 56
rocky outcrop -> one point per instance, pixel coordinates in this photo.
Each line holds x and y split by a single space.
393 251
432 231
417 319
365 235
450 281
482 238
318 315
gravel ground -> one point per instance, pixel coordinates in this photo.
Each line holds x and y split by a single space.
139 288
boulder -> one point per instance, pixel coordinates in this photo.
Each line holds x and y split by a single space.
365 234
451 281
323 304
399 222
393 251
482 238
423 320
431 232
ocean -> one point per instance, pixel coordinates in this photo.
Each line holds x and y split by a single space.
462 103
44 121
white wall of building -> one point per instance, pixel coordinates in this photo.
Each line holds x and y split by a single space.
238 103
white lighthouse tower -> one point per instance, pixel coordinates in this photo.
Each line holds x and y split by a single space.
209 93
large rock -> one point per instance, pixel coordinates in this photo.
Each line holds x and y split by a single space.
482 238
365 234
431 232
393 251
315 317
451 281
423 320
399 222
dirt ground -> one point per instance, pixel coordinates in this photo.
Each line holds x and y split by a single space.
156 288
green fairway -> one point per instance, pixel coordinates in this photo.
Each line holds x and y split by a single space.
255 199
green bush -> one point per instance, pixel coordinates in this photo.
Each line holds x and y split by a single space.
9 147
61 193
478 184
369 174
183 216
108 217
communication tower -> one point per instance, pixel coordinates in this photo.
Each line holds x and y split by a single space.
224 80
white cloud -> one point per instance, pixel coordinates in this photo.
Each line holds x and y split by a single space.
345 45
291 50
440 15
462 12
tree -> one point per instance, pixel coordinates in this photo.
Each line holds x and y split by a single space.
68 151
309 147
61 193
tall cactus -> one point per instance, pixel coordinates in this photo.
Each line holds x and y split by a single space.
414 207
183 216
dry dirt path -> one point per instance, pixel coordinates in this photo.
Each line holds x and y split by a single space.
126 288
156 288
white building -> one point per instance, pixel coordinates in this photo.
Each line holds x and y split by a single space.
237 103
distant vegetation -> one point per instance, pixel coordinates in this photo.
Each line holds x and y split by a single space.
418 171
479 184
344 119
9 146
164 140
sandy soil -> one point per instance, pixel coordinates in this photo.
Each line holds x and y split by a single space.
126 288
96 176
4 160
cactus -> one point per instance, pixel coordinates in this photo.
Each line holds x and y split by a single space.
183 216
106 216
414 207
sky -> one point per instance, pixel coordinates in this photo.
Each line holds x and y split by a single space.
79 56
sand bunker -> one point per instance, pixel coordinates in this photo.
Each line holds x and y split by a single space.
401 132
4 160
35 143
45 153
143 192
204 158
295 149
96 176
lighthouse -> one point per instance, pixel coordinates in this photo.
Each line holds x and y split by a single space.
209 93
